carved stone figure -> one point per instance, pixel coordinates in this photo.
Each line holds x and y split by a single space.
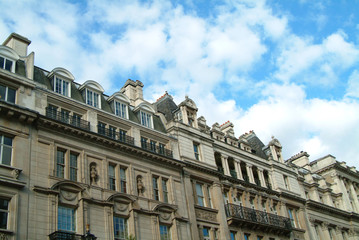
140 187
93 173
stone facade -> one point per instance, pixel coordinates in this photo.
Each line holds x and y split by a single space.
78 163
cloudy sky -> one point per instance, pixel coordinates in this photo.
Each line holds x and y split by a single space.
283 68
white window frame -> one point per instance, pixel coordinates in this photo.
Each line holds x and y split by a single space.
146 119
90 100
6 97
165 235
62 83
4 63
66 165
121 109
123 231
73 219
2 146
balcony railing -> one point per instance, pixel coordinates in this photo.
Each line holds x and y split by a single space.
157 149
68 119
115 135
257 217
59 235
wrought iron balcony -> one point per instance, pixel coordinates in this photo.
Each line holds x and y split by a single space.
115 135
257 219
156 149
60 235
73 120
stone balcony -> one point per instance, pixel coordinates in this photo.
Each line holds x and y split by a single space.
255 219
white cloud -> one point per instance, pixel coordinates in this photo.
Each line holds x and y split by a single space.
318 64
353 85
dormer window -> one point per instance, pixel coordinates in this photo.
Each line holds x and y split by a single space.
146 119
121 109
8 58
61 86
61 81
91 91
6 64
92 98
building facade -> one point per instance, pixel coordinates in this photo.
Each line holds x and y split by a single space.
76 163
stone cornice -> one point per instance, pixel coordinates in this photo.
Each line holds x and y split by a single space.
293 197
337 166
56 126
318 206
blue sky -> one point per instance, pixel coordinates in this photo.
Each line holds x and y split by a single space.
282 68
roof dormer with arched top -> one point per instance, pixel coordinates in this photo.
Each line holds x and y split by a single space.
8 58
145 112
119 103
92 91
61 81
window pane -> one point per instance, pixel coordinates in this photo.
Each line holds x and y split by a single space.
164 232
2 92
2 60
8 65
73 167
6 155
66 219
11 95
120 228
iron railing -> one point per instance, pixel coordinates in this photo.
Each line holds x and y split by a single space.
157 149
60 235
73 120
121 137
256 216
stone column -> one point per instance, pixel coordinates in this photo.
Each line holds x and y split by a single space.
225 165
200 233
239 172
237 168
250 173
261 177
190 204
325 231
338 234
221 217
355 197
341 188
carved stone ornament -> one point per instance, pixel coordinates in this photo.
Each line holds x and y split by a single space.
206 215
15 173
165 216
140 187
3 236
121 207
69 196
93 173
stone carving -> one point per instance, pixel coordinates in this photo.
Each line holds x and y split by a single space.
93 173
15 173
206 215
3 236
121 207
165 216
69 196
140 187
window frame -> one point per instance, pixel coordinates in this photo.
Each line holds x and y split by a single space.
112 177
9 148
92 98
6 59
200 198
61 86
6 212
123 231
121 109
146 119
73 219
6 91
166 235
197 151
66 167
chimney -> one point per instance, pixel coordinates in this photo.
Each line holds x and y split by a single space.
133 90
18 43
